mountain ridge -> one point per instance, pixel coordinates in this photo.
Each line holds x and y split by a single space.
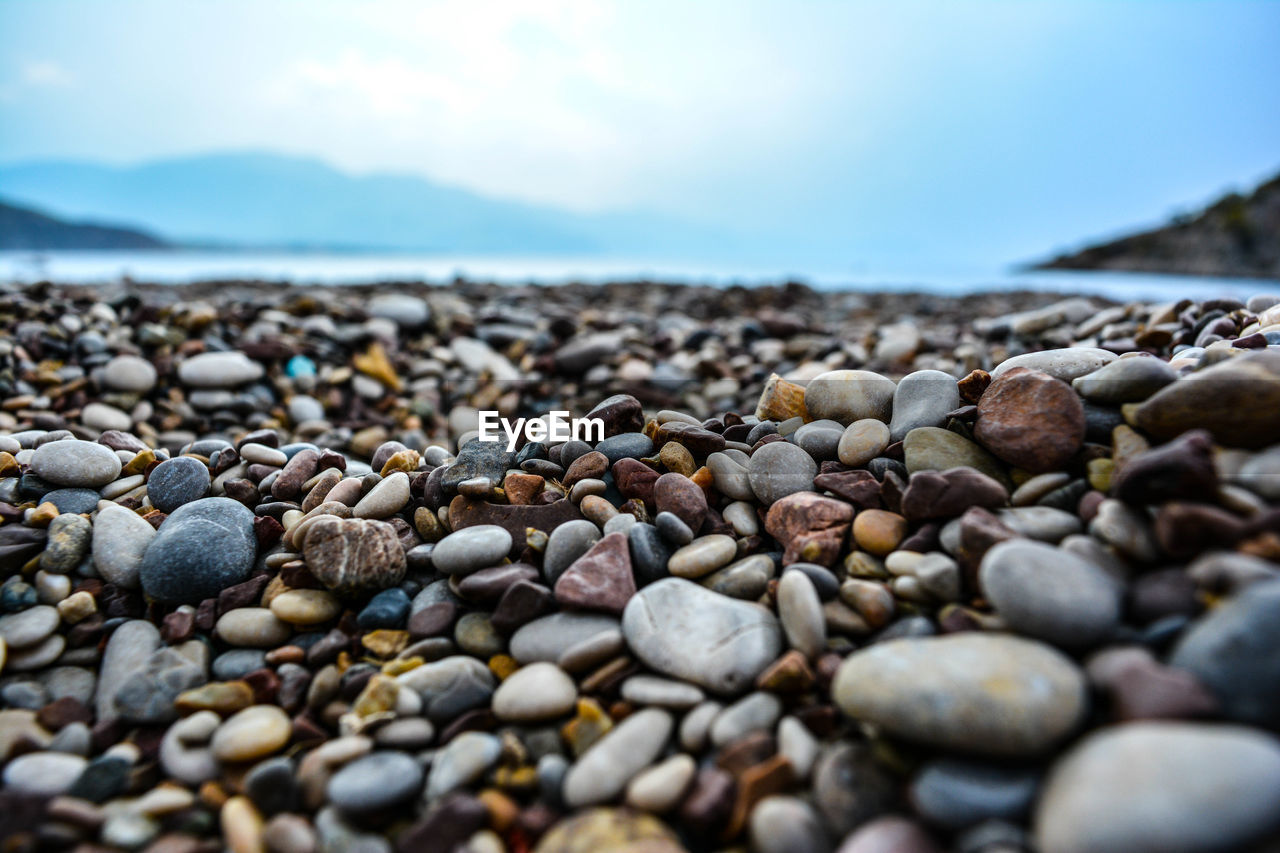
1236 236
23 228
257 199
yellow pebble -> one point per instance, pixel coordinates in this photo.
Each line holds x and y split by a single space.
385 642
502 666
399 666
42 515
242 826
1100 471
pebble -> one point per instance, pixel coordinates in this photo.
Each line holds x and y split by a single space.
661 787
44 774
946 701
606 768
779 469
384 499
1066 363
120 540
376 781
218 370
75 463
202 548
849 395
862 441
129 373
921 399
250 734
465 551
1161 786
1045 592
782 824
538 691
177 481
956 793
702 556
800 611
1030 420
28 627
685 631
1231 650
305 606
461 762
351 555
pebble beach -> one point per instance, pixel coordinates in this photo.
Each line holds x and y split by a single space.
847 573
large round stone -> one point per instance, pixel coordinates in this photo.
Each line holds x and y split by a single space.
177 481
75 463
202 548
849 395
1042 591
779 469
681 629
353 554
1160 787
992 694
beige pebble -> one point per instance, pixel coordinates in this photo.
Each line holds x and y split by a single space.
253 628
863 441
305 606
252 733
242 826
703 556
77 607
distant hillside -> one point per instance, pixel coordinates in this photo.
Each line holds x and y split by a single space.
21 228
1236 236
269 200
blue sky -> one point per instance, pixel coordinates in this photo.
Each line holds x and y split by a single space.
876 134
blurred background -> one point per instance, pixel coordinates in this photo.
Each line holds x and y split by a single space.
909 144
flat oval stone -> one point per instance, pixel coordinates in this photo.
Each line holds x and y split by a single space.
703 556
252 627
849 395
44 774
462 761
177 481
862 441
130 374
779 469
465 551
548 638
936 449
1045 592
1030 420
1065 364
202 548
218 370
1125 380
800 611
252 733
538 691
680 629
955 793
385 499
29 627
566 544
1157 786
606 768
305 606
992 694
75 463
922 399
120 539
376 781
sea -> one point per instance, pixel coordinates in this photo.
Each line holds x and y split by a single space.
324 268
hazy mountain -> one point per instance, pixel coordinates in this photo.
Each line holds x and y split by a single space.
22 228
1238 235
253 199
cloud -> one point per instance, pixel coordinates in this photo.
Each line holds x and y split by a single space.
46 73
34 75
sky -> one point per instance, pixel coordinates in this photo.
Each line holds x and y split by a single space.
880 134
